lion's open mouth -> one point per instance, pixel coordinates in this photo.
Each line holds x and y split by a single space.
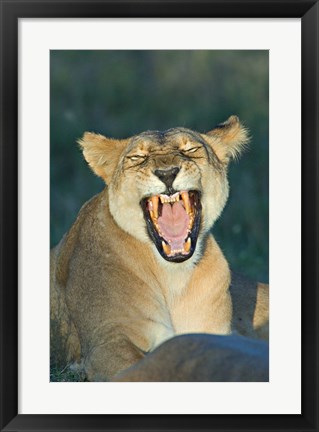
173 223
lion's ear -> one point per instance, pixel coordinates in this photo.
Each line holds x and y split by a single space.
228 139
101 153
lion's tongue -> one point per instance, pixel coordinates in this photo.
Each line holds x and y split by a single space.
173 224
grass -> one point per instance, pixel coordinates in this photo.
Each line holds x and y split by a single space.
66 374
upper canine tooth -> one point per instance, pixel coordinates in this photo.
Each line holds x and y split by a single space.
154 201
191 221
186 201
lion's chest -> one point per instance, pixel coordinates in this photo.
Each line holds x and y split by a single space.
181 311
160 326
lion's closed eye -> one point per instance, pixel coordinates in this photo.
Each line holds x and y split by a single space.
191 150
137 157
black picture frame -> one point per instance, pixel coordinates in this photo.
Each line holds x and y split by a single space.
11 12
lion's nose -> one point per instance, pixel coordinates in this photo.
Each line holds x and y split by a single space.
167 176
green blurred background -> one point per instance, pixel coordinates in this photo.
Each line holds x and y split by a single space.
122 93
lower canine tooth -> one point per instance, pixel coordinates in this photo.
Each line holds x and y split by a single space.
166 248
187 245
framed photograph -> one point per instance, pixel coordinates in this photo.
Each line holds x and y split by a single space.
74 74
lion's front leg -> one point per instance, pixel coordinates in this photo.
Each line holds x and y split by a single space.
104 360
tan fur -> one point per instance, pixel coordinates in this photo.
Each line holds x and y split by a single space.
203 357
119 298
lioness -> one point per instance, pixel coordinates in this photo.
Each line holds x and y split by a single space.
140 265
203 357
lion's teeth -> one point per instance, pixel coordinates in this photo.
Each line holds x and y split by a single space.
191 222
175 197
166 248
187 245
158 229
176 251
169 199
186 201
154 201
